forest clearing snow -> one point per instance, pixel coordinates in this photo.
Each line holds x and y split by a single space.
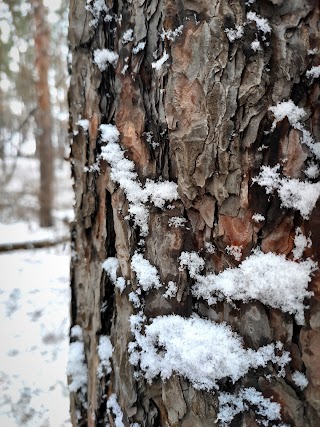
34 313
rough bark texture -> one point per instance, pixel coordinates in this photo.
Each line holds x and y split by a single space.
43 113
207 107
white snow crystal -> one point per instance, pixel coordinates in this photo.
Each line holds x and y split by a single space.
261 23
171 290
200 350
234 34
300 380
140 46
135 299
258 217
127 36
295 194
121 284
192 261
95 167
247 398
84 123
103 57
96 8
255 46
105 350
110 265
109 133
301 242
269 278
76 332
209 247
314 72
235 251
177 221
172 34
161 191
146 273
287 109
158 64
77 368
312 171
114 407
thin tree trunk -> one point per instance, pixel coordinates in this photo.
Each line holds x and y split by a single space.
43 115
191 108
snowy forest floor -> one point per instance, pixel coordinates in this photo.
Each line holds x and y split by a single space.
34 304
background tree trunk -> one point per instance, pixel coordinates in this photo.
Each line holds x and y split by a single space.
43 114
200 120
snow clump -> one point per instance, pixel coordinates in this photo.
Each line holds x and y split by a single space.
76 367
234 34
293 193
97 7
171 34
158 64
103 57
300 380
84 123
140 46
105 350
261 23
177 221
146 273
123 172
231 405
268 278
127 36
258 217
199 350
301 242
114 407
295 114
193 262
314 72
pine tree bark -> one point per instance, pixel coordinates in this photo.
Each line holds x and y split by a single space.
43 114
202 121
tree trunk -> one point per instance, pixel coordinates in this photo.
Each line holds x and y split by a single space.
43 115
192 108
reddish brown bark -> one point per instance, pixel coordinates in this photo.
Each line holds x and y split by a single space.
43 130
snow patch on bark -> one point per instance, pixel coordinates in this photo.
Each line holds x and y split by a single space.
146 273
231 405
293 193
295 114
123 172
158 64
114 408
268 278
202 351
76 367
300 380
103 57
105 351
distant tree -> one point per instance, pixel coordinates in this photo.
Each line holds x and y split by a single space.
20 83
43 114
195 128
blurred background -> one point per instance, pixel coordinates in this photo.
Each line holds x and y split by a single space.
36 206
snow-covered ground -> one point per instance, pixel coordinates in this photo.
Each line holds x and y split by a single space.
34 313
34 305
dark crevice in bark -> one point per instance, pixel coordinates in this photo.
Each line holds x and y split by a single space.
73 282
111 237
